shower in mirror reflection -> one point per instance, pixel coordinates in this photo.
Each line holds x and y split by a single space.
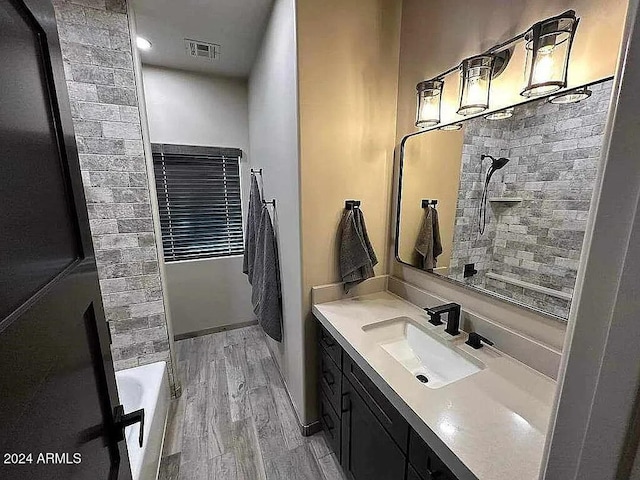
537 202
496 164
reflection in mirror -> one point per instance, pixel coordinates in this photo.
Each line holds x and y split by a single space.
513 197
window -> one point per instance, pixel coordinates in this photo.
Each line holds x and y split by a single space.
199 201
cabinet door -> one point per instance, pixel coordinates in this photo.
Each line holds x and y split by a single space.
368 451
382 408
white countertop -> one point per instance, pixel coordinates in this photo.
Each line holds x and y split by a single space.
494 421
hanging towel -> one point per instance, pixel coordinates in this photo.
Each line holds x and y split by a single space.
428 243
357 257
266 294
253 220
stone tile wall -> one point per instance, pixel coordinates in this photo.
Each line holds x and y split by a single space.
98 63
554 152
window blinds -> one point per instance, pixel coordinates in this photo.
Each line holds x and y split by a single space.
199 201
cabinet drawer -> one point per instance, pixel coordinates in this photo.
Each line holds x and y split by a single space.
330 379
425 462
329 344
381 408
330 424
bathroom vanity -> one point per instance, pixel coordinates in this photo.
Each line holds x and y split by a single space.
402 399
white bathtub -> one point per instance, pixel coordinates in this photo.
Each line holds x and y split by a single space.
145 387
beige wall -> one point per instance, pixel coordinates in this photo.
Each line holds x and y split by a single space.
431 170
438 34
348 66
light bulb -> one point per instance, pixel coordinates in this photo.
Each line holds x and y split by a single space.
476 92
142 43
430 111
543 69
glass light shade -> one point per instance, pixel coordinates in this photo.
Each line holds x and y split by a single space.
548 46
500 114
571 96
429 102
475 83
453 126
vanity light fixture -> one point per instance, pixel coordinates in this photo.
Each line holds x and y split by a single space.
142 43
548 46
429 102
500 114
475 82
453 126
571 96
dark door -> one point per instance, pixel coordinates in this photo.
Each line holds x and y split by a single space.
57 383
368 451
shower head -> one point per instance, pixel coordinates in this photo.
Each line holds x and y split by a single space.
496 163
499 163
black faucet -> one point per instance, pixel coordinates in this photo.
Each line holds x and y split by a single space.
453 317
475 340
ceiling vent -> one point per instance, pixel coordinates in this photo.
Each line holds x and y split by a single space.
198 49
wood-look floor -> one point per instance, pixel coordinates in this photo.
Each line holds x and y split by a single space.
234 420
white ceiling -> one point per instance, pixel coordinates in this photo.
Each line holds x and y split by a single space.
236 25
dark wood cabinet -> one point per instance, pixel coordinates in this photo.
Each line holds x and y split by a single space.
330 389
368 450
370 438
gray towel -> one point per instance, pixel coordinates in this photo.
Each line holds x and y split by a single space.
428 243
253 222
357 257
266 295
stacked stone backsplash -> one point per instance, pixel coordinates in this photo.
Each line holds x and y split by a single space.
554 152
98 63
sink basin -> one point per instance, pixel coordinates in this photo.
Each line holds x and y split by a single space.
429 358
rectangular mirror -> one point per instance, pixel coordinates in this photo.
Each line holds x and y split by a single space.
513 197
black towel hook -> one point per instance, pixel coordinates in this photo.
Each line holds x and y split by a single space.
426 202
258 171
351 204
272 202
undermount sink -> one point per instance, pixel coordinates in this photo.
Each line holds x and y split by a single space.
429 358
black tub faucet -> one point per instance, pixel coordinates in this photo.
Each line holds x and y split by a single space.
453 317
